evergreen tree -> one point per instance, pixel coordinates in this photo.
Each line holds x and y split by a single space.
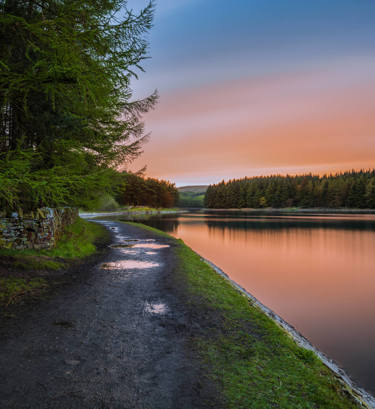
66 110
137 190
348 189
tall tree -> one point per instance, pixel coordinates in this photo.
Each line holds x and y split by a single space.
65 95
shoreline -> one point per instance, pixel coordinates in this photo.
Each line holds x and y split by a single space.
96 215
315 210
249 348
360 394
245 352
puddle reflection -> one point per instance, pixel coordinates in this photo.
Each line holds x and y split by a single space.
128 251
150 246
155 308
129 264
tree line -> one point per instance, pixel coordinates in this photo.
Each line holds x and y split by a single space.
355 189
67 116
137 190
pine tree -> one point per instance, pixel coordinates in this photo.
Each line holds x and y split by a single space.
349 189
65 94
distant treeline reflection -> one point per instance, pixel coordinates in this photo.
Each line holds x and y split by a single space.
168 225
247 221
285 224
342 190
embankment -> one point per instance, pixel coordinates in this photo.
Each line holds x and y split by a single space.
251 354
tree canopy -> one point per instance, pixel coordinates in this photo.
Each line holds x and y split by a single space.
67 117
348 189
137 190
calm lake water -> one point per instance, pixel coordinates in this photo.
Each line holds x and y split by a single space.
315 271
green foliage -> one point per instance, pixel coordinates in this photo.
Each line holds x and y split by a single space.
136 190
346 190
103 203
253 362
66 111
24 184
12 289
190 199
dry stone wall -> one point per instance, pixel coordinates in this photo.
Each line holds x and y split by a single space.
36 230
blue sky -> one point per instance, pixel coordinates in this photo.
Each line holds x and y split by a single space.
198 45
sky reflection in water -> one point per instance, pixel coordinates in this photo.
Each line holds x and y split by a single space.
317 272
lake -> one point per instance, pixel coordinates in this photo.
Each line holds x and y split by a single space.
317 271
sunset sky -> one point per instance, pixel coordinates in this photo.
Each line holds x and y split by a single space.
253 87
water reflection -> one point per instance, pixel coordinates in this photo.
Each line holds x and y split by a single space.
153 246
166 223
155 308
316 271
128 264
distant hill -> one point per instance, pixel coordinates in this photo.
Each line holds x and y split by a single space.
193 189
192 196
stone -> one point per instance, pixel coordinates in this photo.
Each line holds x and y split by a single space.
35 230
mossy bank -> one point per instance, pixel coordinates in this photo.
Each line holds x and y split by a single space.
253 362
27 275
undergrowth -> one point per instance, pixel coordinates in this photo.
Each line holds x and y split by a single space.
13 289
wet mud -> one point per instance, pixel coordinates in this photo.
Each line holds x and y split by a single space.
118 338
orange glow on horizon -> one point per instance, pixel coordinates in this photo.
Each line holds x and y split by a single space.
318 122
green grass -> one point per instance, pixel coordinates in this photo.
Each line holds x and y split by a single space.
35 263
135 209
253 361
149 228
21 281
13 289
77 242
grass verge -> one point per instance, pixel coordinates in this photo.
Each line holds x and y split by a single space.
252 361
136 209
23 272
149 228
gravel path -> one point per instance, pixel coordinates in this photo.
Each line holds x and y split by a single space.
116 340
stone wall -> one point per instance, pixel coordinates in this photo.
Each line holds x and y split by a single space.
36 230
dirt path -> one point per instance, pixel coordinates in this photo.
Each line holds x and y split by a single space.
116 340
